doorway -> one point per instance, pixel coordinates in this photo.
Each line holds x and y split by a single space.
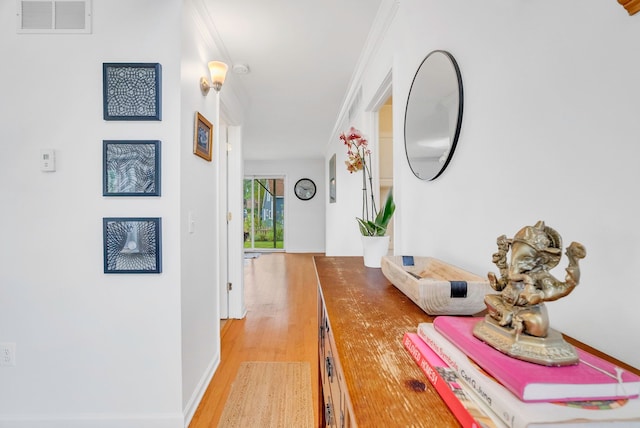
263 212
385 148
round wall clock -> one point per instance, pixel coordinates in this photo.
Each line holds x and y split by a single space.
305 189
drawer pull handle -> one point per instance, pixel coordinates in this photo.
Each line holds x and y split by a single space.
328 414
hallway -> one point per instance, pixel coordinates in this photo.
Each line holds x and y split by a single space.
281 325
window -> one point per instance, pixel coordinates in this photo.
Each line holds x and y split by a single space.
264 213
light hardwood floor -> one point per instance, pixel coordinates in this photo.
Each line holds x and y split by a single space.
281 325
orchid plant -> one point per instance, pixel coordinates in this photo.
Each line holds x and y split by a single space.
372 222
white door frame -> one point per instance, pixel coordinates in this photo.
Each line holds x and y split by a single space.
235 226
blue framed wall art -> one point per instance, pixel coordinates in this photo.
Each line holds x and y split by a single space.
131 91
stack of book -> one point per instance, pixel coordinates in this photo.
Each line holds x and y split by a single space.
485 388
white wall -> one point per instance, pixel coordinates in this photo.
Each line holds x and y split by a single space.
343 234
304 220
549 133
92 349
201 184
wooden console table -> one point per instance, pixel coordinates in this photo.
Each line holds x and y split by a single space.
368 379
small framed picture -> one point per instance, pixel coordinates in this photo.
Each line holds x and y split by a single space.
132 244
131 91
131 168
203 138
332 179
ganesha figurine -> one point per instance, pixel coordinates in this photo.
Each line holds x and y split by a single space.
517 321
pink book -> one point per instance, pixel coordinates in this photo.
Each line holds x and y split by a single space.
591 379
515 413
468 412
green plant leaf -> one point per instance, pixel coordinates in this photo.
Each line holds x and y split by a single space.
385 214
378 227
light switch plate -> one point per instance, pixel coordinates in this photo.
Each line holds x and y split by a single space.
7 354
47 160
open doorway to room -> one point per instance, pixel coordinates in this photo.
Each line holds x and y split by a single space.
385 147
263 213
380 113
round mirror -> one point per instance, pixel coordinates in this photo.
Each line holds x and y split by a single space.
433 115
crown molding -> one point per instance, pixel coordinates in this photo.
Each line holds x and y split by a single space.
234 98
386 13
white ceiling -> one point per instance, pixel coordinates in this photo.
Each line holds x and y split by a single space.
301 55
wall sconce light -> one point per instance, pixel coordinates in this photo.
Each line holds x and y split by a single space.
632 6
218 72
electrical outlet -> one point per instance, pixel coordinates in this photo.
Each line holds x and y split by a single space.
7 354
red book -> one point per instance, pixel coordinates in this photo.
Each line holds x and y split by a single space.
445 381
623 412
593 378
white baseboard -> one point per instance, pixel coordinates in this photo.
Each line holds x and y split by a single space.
302 250
163 420
198 393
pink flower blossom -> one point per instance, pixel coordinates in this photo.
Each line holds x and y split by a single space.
358 159
372 222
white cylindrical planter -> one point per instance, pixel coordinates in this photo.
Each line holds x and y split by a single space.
374 247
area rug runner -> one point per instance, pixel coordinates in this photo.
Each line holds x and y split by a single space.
270 395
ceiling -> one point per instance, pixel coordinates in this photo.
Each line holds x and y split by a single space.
301 56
